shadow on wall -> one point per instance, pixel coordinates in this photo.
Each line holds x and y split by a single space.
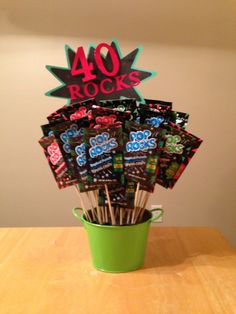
200 23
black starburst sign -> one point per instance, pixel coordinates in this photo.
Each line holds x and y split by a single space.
99 76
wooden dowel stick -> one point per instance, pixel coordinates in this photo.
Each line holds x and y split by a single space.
121 215
140 198
92 206
136 195
142 202
82 204
99 213
144 206
128 216
116 211
139 204
105 213
113 220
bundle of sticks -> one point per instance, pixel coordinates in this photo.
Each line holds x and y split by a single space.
113 214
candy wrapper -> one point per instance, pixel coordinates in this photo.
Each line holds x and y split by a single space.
106 117
65 131
104 148
78 154
117 195
141 154
56 162
72 112
153 116
154 112
180 146
86 187
130 189
160 105
123 105
179 118
47 128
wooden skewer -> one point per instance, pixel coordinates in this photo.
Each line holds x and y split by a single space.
136 195
105 213
141 204
138 207
92 206
82 204
116 211
140 198
144 206
99 214
133 215
128 216
121 215
113 220
102 213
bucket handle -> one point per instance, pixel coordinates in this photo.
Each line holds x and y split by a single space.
77 214
158 216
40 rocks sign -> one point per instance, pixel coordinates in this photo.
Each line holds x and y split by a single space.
103 74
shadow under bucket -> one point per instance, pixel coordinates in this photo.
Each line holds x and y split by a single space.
118 249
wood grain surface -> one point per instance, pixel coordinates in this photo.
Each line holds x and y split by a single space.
48 270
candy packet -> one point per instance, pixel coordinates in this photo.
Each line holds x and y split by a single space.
153 116
72 112
47 128
56 162
156 118
104 117
130 188
142 146
117 195
122 105
179 118
104 153
128 104
160 105
78 154
86 187
180 146
65 131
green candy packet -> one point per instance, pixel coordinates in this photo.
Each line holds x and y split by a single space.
180 146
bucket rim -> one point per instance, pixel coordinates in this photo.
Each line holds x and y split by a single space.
115 226
148 221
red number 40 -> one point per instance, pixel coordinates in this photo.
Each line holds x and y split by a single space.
87 68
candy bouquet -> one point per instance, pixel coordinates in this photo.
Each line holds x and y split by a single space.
113 146
114 152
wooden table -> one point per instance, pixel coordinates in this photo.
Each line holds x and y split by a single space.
48 270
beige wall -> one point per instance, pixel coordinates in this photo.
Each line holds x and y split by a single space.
192 47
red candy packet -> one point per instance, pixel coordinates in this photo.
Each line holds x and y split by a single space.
56 162
160 105
73 112
106 117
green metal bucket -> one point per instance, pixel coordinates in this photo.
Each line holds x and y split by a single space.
118 249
